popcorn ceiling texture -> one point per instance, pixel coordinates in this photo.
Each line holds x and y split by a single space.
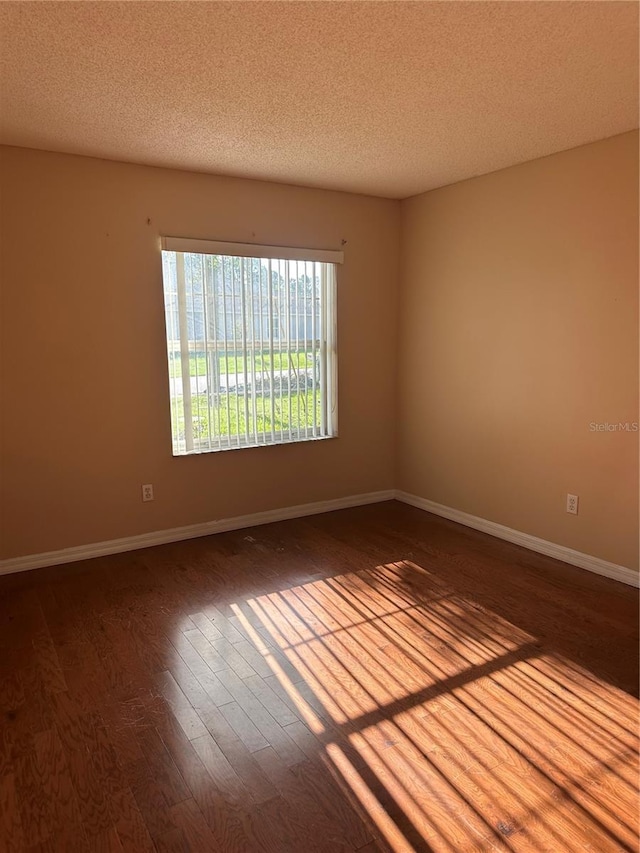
385 98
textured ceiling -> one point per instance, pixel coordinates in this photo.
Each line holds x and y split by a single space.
386 98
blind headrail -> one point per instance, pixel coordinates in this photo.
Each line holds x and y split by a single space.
250 250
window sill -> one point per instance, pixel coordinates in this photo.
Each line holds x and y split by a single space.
205 448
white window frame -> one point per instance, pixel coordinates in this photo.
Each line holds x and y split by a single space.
190 444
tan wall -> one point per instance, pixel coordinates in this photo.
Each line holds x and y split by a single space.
84 380
518 328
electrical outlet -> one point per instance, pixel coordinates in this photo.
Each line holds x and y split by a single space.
147 492
572 504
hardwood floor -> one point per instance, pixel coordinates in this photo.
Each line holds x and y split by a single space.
369 680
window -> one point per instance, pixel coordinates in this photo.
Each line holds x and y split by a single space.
251 344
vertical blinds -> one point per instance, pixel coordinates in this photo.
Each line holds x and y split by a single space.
251 344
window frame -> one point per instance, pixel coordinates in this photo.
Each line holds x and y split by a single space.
188 444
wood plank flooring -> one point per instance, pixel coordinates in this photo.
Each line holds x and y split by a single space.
375 679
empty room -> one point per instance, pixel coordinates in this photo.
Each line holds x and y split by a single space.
319 427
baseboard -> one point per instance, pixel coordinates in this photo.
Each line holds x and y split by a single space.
533 543
192 531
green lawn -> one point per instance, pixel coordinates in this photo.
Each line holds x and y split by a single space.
235 363
227 417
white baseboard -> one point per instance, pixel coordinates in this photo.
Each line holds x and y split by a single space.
541 546
192 531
